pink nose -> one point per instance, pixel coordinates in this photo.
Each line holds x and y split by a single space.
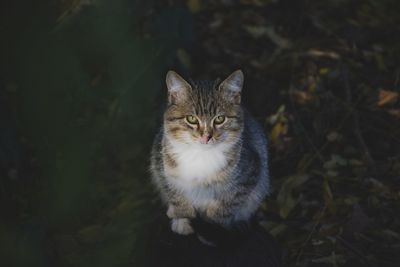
205 138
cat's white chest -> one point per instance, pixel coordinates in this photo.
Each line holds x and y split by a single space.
197 162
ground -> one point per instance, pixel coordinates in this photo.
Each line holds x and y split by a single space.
322 77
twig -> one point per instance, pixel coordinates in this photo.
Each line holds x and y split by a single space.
354 250
356 120
319 53
299 122
396 81
310 235
303 129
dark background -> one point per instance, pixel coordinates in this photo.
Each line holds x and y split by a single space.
81 95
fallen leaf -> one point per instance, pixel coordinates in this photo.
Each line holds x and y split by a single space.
390 234
256 2
91 234
394 112
319 53
280 124
73 7
277 130
11 87
184 58
332 136
96 80
328 196
278 229
387 97
285 196
356 163
278 116
323 71
257 31
335 161
340 160
333 259
302 97
194 5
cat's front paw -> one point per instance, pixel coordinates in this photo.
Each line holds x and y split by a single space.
181 226
171 212
185 211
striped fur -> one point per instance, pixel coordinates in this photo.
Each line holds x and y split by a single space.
223 180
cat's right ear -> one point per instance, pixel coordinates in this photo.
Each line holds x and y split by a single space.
178 88
231 87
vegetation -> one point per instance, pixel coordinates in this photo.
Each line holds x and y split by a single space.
81 89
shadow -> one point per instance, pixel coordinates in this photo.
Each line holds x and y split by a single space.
245 245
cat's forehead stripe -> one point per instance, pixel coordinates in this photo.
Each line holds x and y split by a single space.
205 98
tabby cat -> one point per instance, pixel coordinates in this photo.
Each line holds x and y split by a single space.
210 157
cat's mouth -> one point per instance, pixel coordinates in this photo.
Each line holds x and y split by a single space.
205 139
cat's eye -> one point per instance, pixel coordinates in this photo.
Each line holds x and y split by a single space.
219 119
192 119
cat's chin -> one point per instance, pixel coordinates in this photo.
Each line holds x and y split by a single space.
206 145
197 142
201 146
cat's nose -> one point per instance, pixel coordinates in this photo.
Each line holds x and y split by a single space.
205 138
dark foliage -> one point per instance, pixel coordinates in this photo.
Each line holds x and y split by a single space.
81 86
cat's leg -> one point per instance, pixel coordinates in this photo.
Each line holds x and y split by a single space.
181 226
239 205
221 212
230 210
180 211
180 222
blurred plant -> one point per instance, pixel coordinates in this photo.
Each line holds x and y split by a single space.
88 79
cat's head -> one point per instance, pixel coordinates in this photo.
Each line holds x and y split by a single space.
204 113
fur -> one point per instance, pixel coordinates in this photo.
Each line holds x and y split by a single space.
206 165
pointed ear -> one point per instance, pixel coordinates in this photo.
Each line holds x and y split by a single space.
231 87
178 88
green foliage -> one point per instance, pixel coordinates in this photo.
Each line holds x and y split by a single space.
88 82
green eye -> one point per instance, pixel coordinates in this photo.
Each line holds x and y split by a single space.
219 119
192 119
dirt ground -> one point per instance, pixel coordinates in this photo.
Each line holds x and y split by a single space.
80 101
323 77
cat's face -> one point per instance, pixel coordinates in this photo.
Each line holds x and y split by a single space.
206 114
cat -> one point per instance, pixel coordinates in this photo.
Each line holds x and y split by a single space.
209 159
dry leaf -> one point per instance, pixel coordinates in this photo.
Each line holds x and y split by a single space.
184 58
332 136
327 191
332 260
194 5
394 112
278 116
301 97
258 31
387 97
285 197
277 131
280 123
323 71
335 161
72 7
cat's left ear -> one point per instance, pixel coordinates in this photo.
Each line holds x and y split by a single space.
232 86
